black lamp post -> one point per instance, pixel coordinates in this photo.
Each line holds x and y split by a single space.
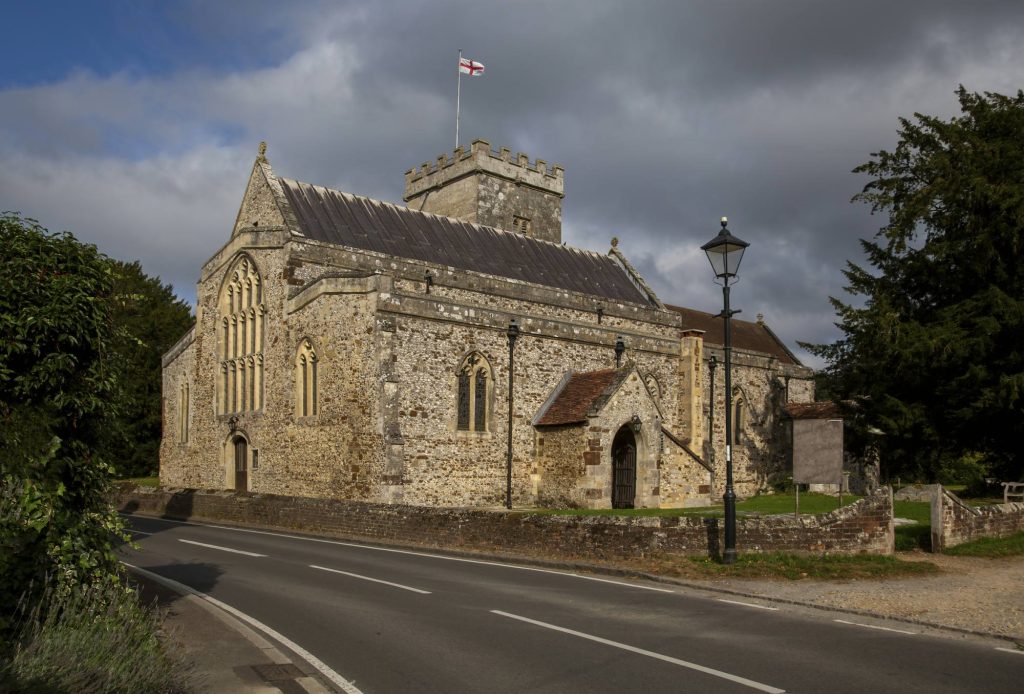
725 252
513 334
620 347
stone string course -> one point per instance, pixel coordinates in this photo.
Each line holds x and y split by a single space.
863 527
954 522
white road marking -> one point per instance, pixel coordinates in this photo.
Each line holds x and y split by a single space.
747 604
412 552
298 650
138 532
1015 651
223 549
650 654
367 578
872 626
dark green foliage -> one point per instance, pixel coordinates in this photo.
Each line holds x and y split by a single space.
935 355
149 320
56 395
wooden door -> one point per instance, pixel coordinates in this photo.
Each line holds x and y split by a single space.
241 465
624 469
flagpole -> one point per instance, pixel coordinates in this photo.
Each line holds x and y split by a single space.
458 96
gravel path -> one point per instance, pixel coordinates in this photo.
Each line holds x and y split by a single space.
982 595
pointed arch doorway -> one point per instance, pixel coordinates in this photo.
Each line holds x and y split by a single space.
624 468
241 464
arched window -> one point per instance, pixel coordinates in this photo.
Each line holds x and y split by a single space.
475 384
183 405
306 377
240 387
737 420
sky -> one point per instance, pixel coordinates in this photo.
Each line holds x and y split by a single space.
134 124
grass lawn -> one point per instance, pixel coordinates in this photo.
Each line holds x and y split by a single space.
144 481
991 547
767 504
798 567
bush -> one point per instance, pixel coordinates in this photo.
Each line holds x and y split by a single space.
96 640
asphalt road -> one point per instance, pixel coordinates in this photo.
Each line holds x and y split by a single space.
397 621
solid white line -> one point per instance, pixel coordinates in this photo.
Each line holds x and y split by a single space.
650 654
320 666
410 552
747 604
367 578
872 626
223 549
1011 650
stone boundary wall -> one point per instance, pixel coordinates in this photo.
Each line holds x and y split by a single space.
863 527
954 522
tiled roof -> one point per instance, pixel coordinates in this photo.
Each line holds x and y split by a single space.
746 335
813 410
579 395
357 222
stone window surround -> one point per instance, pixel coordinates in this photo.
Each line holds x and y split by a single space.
473 364
241 335
307 382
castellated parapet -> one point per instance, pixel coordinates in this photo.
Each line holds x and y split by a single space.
492 188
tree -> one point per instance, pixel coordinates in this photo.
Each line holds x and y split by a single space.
149 320
935 353
56 395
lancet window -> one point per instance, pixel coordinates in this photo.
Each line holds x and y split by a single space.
183 406
306 381
475 384
242 318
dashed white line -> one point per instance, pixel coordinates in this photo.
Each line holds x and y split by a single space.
223 549
650 654
748 604
321 667
413 553
374 580
872 626
138 532
1015 651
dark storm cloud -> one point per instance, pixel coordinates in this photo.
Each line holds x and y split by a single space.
665 115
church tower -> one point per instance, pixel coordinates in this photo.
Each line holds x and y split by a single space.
491 188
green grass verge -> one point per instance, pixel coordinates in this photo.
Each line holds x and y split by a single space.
914 537
767 504
144 481
800 567
991 547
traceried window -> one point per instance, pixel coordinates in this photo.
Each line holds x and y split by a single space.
306 377
242 318
475 383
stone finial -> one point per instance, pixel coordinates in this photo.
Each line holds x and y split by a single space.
262 156
760 318
615 242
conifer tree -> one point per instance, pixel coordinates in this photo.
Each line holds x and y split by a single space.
933 350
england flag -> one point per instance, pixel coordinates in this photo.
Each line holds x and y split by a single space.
470 67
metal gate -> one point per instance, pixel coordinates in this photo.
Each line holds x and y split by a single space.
241 467
623 469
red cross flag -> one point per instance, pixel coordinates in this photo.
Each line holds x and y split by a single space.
470 67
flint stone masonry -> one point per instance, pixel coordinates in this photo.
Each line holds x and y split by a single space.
864 527
955 522
389 344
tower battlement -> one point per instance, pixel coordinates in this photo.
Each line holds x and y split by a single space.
491 187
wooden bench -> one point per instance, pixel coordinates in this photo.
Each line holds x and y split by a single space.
1013 489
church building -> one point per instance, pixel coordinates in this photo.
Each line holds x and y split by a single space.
452 351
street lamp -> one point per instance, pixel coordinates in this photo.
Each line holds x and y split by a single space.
513 334
725 252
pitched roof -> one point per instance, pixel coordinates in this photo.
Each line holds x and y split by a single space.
746 335
579 394
358 222
813 410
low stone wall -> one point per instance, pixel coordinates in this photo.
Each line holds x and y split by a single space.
954 522
863 527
